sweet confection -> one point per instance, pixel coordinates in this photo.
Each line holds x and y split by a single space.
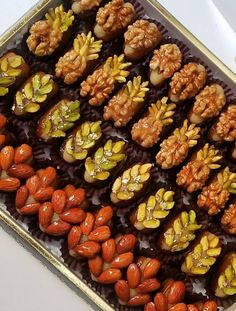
140 39
208 103
81 141
194 175
164 63
98 86
34 94
146 132
141 281
131 184
204 254
179 232
153 210
13 70
186 83
58 120
228 220
176 147
82 7
117 254
214 196
100 167
113 19
78 60
48 34
127 102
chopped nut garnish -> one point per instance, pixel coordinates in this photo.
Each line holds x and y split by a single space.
75 62
187 82
225 126
127 102
140 38
214 197
101 83
130 184
203 255
151 212
46 35
113 18
175 148
179 232
146 132
105 159
81 141
194 175
164 63
228 221
81 6
208 104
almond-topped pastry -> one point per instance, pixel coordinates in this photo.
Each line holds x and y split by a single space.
140 39
206 250
102 82
214 197
146 132
127 102
34 94
48 34
194 175
187 82
113 19
164 63
78 60
228 220
225 127
208 103
176 147
13 70
84 6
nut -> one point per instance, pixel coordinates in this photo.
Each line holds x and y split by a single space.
82 6
228 220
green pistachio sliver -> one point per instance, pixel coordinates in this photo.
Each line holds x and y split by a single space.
45 79
19 98
81 156
32 107
89 144
4 65
46 89
108 166
58 133
28 91
40 98
15 61
74 117
74 105
7 81
47 126
3 91
102 175
117 157
36 82
14 72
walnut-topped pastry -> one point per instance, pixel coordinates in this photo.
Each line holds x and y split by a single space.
228 220
102 82
84 6
46 35
208 104
141 38
214 197
225 127
187 82
146 132
127 102
175 148
113 19
164 63
194 175
76 62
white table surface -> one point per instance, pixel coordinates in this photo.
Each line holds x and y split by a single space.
25 283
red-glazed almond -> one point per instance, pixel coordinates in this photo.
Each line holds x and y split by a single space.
33 184
87 249
77 198
122 261
150 307
179 307
209 306
9 184
148 286
103 216
45 215
100 234
161 302
29 209
21 196
109 276
126 243
58 228
95 265
151 268
74 215
6 157
139 300
122 290
48 176
69 189
22 154
43 194
20 171
87 224
74 236
133 275
108 250
176 292
59 201
193 308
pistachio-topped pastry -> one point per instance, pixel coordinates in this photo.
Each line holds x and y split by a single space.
224 282
105 159
84 6
127 102
208 103
164 63
34 94
194 175
13 70
102 82
146 132
228 220
152 211
140 39
187 82
131 184
113 19
47 35
76 62
225 127
214 197
206 250
58 120
81 141
179 232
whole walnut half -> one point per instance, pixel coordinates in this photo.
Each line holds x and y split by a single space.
228 221
83 6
